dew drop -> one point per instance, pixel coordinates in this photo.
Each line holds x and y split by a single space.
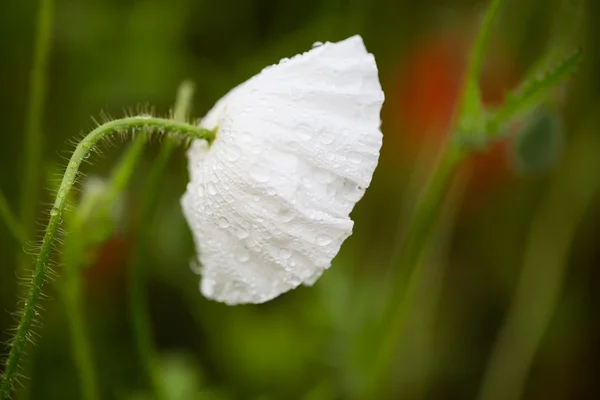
285 254
72 164
354 158
233 153
304 131
326 138
323 176
284 60
242 255
212 189
195 266
286 214
323 240
54 212
317 44
223 222
259 174
241 233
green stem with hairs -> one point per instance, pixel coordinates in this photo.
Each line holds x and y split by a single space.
33 123
28 314
142 327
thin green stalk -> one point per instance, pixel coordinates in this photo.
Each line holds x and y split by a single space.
410 257
424 298
546 261
428 209
11 220
28 314
142 327
33 125
73 259
80 343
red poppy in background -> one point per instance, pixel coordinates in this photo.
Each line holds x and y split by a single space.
427 97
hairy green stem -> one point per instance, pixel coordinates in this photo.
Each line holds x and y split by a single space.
33 124
11 220
142 327
546 261
150 124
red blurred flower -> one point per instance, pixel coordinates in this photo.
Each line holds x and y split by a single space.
428 92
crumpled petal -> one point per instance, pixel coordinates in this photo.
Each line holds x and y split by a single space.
268 202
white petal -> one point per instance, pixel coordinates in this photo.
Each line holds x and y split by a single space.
269 202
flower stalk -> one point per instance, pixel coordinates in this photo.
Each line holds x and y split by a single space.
29 312
468 123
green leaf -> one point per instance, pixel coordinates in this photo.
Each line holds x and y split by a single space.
530 94
539 144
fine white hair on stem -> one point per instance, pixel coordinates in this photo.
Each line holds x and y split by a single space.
296 146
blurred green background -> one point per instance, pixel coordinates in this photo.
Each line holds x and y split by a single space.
313 343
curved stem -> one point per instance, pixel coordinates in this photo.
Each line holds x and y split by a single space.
142 327
150 124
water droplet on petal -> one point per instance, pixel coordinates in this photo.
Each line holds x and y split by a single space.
233 153
354 157
317 44
242 255
323 240
241 233
259 174
324 176
212 189
286 214
285 254
326 138
304 131
195 266
223 222
284 60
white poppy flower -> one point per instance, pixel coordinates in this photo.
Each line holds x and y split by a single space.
296 146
